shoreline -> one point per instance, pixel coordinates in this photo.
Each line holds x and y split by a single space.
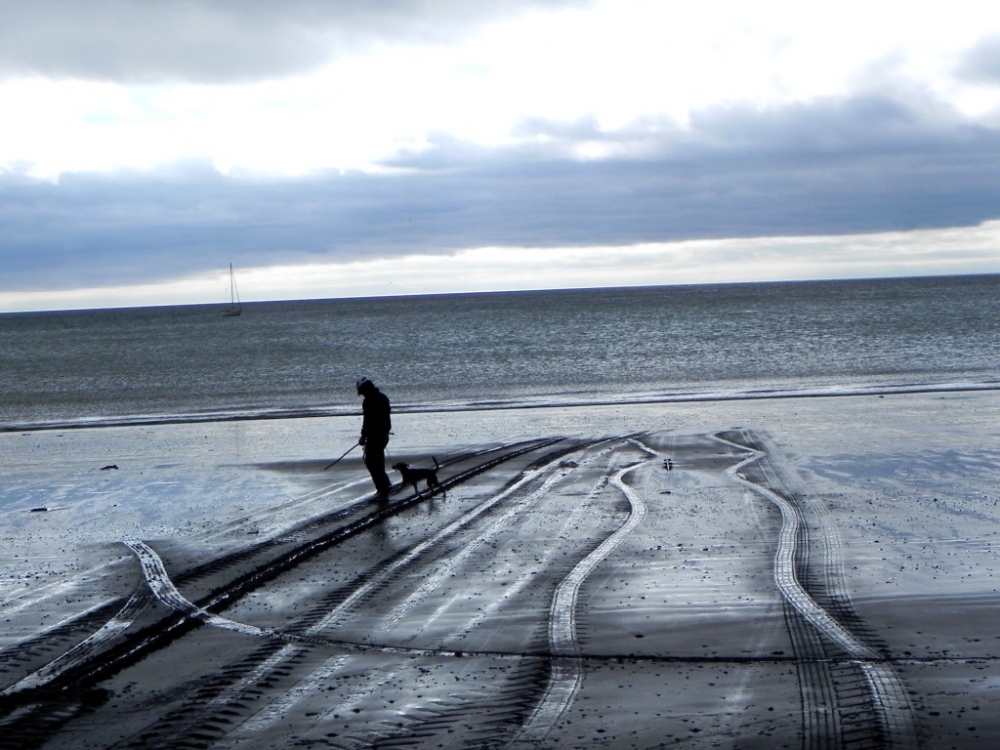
840 391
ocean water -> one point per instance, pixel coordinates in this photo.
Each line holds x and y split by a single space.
443 352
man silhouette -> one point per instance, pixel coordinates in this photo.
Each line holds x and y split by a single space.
375 427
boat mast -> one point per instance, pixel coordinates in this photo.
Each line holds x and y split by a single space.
235 306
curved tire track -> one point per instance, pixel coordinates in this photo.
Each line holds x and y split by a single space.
553 474
40 704
886 708
200 716
566 672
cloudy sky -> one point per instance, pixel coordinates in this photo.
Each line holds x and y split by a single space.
342 148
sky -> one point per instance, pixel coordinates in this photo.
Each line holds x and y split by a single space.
338 148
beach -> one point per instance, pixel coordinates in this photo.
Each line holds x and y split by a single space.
777 572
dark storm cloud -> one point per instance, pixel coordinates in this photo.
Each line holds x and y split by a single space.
981 64
220 40
852 166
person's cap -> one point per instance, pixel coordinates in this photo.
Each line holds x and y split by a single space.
361 383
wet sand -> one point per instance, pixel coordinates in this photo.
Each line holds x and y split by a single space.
816 572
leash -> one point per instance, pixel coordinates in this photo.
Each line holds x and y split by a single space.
344 454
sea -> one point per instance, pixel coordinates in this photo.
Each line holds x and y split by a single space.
154 365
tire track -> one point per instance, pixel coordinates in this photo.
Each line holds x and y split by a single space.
199 715
48 699
532 670
566 668
276 711
84 650
818 694
886 697
313 529
846 685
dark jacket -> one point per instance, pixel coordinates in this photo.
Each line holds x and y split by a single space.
376 422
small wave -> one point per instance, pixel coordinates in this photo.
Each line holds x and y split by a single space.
537 401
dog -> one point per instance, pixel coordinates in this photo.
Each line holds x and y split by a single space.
412 476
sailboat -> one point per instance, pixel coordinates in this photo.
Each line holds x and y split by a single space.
235 307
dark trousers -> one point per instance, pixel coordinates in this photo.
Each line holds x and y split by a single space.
375 462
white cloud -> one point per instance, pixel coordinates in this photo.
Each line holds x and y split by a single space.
619 63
